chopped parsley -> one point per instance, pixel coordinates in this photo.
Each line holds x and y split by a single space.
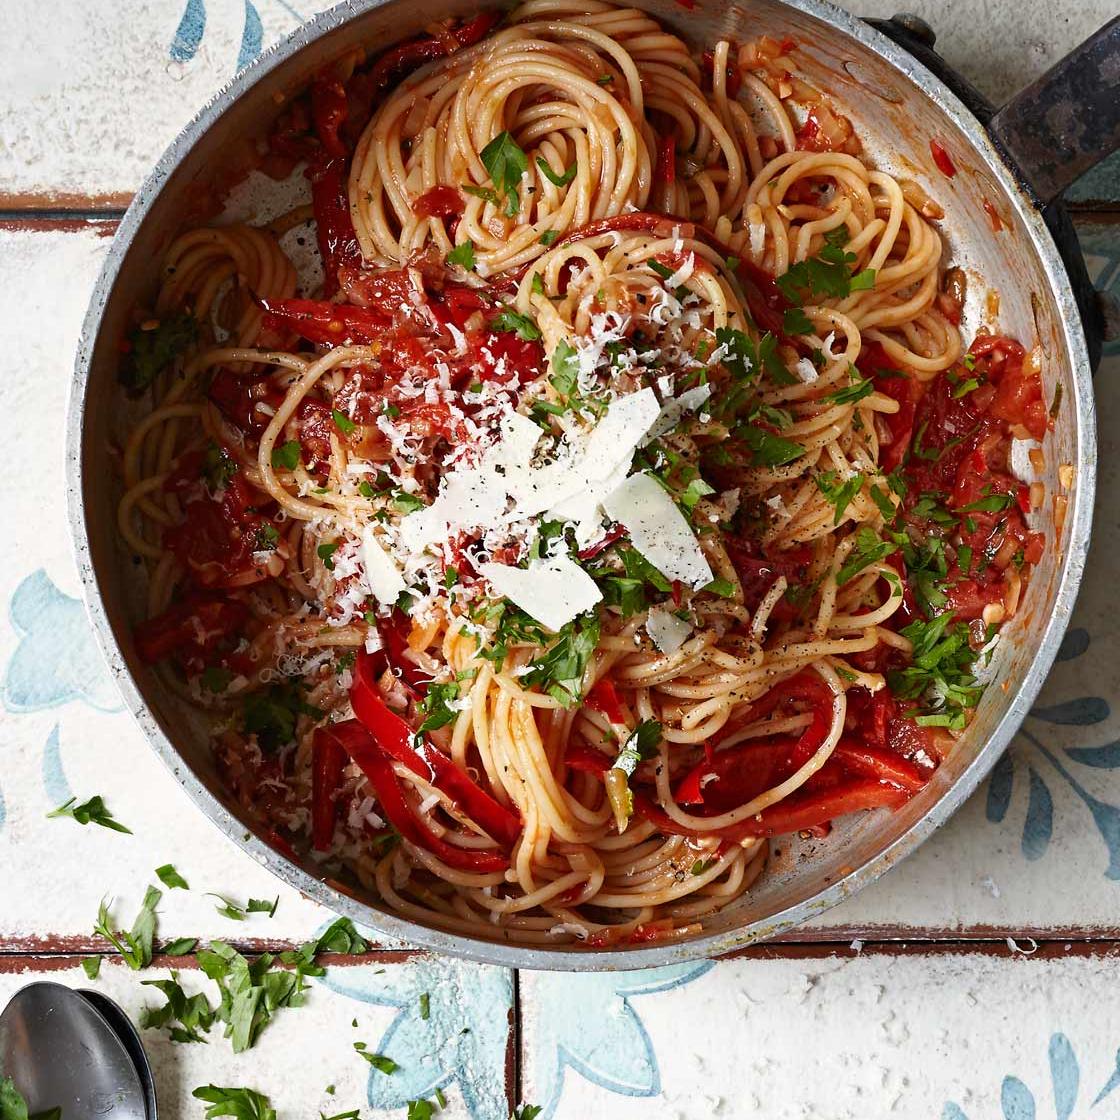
171 878
768 449
508 320
990 503
795 321
406 502
134 945
151 351
267 538
326 552
549 237
561 180
839 493
379 1061
342 422
640 746
92 811
425 1005
462 255
505 163
437 705
559 670
858 388
240 1103
218 467
271 714
941 677
187 1018
287 455
828 274
868 549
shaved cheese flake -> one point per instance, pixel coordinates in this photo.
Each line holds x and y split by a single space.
658 530
673 411
806 371
667 631
618 433
383 577
552 591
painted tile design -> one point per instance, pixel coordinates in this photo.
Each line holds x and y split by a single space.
69 137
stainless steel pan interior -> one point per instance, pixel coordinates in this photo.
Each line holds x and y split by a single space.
897 106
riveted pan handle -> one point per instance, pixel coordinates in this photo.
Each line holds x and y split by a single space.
1087 142
1069 120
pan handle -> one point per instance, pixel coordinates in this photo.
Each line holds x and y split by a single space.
1100 108
1068 120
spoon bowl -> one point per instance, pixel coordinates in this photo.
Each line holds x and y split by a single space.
62 1052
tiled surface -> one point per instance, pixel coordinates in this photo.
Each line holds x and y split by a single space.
868 1031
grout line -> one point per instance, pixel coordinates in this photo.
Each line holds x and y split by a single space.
516 1081
62 214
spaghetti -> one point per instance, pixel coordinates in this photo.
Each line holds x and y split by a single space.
626 497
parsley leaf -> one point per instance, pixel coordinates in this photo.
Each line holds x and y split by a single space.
561 180
505 163
509 320
271 714
437 705
187 1018
378 1061
559 670
287 455
462 255
641 744
549 237
171 878
342 422
855 391
240 1103
795 321
991 503
828 274
92 811
217 468
326 552
151 351
839 493
868 549
134 945
768 449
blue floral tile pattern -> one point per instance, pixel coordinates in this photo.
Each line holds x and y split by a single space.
451 1029
1018 1102
57 659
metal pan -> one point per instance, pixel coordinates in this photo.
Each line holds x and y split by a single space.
889 85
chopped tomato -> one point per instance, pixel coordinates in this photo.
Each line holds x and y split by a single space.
190 630
439 202
324 322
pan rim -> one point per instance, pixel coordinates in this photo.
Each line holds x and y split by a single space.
512 954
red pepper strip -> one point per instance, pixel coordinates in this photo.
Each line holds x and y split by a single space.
394 644
334 229
328 760
737 775
326 322
603 697
394 736
615 534
329 110
942 158
359 744
795 813
665 170
856 758
588 760
194 625
403 59
764 298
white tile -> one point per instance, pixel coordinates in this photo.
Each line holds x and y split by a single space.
857 1037
303 1050
94 94
977 872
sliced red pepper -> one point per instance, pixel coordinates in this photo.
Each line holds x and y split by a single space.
586 759
603 697
614 534
394 642
195 625
394 736
325 322
857 758
360 745
665 170
329 110
328 760
403 59
334 229
942 159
